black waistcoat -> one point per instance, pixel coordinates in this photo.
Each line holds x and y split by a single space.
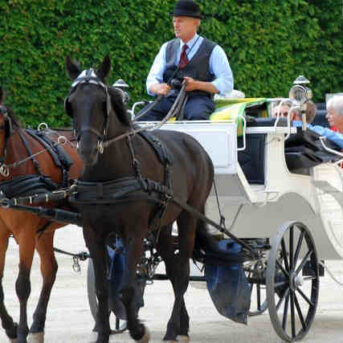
198 67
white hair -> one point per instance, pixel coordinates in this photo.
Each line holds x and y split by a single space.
336 103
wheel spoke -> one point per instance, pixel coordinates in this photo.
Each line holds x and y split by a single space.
285 313
282 268
310 278
304 260
292 314
284 254
301 317
281 299
281 283
305 297
297 251
258 291
291 246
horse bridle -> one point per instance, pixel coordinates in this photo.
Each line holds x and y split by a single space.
89 77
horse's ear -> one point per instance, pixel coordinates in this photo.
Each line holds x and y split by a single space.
73 68
105 68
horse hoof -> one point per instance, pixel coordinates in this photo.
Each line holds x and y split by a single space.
13 340
183 339
37 337
146 337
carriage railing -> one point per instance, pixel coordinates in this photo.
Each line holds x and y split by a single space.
332 151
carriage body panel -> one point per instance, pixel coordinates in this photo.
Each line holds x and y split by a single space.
257 210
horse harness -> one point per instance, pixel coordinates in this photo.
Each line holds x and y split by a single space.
37 183
132 188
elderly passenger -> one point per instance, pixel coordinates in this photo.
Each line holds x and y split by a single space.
335 113
311 110
283 108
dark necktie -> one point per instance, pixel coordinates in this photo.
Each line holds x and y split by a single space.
183 58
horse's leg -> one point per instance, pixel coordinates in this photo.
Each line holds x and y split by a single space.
166 249
48 265
178 270
6 320
26 243
134 252
96 246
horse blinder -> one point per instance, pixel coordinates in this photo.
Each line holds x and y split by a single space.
7 126
67 107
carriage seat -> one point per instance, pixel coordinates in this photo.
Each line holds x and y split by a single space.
304 150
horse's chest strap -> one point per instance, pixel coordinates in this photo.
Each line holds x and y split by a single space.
110 192
27 185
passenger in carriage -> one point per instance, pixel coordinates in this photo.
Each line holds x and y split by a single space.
333 136
201 62
335 113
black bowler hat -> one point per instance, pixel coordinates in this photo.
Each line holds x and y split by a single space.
186 8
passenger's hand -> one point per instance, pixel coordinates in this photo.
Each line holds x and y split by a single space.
160 89
191 84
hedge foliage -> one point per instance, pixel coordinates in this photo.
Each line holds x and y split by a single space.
268 42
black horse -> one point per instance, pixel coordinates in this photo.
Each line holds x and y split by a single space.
126 188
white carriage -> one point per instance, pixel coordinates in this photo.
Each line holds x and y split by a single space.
298 211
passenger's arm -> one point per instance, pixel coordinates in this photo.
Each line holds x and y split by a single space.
335 137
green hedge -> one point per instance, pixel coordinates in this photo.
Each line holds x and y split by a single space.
269 43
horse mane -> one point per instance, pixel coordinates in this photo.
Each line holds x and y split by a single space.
119 106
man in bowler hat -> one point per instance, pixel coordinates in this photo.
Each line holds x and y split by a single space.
191 57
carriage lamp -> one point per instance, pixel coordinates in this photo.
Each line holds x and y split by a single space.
122 86
301 93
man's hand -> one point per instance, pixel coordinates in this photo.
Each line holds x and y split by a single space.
193 85
160 88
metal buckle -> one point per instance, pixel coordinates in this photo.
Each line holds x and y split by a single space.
101 147
4 170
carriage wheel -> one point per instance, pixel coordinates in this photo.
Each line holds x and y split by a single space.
120 325
258 303
292 281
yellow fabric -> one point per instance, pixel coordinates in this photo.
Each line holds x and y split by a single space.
234 110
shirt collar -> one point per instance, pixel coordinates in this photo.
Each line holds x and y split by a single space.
189 43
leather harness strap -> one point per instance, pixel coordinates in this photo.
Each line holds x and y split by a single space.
131 188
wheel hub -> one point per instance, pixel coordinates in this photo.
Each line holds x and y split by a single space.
296 281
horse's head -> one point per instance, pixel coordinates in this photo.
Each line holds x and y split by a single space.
91 103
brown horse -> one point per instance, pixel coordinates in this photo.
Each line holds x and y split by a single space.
16 144
126 187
